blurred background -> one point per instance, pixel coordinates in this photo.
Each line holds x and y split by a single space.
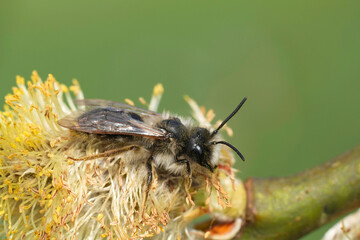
297 61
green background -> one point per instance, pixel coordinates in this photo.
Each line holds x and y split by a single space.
297 61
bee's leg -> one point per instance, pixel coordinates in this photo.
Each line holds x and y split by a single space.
149 181
188 183
150 175
184 161
109 153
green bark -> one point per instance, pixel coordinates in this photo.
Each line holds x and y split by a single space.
290 207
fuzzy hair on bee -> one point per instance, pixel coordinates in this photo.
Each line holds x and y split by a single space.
162 142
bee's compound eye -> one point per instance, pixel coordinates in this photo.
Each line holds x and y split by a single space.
197 149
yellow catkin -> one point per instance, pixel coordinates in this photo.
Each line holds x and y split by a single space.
47 195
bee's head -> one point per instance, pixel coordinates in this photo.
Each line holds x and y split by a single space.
198 147
201 143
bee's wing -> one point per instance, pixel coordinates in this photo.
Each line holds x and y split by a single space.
95 103
111 120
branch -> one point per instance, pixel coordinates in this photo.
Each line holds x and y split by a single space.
290 207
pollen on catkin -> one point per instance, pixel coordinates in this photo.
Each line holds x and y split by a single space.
44 194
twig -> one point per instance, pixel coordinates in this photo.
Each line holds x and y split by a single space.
290 207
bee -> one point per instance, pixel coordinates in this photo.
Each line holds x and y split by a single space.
170 143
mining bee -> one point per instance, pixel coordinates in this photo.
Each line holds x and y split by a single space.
171 144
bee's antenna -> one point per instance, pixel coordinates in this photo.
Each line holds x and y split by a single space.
232 147
227 119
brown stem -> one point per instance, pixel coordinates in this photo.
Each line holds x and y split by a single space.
290 207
